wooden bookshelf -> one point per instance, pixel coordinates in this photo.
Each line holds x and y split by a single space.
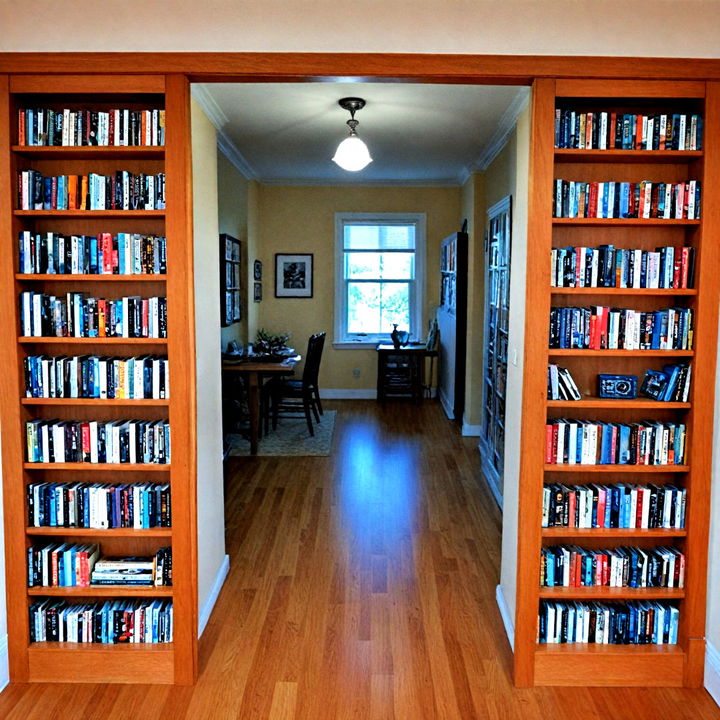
642 665
176 661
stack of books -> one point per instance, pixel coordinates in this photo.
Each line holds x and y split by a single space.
561 385
134 570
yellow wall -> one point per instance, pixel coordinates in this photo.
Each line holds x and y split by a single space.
302 220
233 219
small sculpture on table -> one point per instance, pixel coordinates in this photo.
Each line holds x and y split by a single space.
400 338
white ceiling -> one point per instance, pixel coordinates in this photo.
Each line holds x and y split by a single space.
287 133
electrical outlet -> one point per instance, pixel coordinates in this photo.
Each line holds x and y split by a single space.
356 372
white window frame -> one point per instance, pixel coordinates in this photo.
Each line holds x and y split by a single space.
344 340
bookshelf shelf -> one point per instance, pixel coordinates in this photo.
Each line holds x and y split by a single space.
99 533
567 155
93 402
141 277
607 403
104 214
573 532
645 292
590 665
95 152
564 352
621 222
618 468
610 593
97 467
91 341
102 591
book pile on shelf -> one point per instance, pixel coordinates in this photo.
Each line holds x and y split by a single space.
670 385
606 328
591 442
112 621
561 385
92 376
104 254
79 315
613 506
155 571
630 623
606 266
61 564
121 191
94 441
69 128
583 130
573 566
98 505
644 199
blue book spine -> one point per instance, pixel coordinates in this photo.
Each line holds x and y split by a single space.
93 254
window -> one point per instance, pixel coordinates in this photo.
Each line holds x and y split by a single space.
380 276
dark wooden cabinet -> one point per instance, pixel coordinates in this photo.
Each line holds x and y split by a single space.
401 372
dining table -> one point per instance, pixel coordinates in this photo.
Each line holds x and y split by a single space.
254 370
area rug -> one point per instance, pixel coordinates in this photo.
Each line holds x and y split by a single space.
290 438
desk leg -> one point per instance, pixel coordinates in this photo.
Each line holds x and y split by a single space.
254 410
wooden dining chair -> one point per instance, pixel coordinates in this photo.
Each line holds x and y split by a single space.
294 398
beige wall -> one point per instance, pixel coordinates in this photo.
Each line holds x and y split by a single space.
302 220
210 501
232 210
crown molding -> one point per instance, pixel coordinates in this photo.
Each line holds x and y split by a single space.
219 119
325 182
502 133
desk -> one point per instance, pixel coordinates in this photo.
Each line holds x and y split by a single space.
401 371
253 371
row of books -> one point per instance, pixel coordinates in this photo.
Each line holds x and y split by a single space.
104 254
62 564
630 623
592 442
122 190
606 328
108 622
561 385
585 130
607 266
155 570
644 199
613 506
94 441
98 505
77 314
93 376
70 128
573 566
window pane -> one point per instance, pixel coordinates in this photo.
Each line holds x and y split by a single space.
379 266
379 237
374 307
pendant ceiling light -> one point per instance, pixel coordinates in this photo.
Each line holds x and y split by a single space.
352 153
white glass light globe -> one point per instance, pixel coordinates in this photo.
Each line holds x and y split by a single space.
352 154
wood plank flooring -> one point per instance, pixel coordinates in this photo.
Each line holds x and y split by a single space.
361 586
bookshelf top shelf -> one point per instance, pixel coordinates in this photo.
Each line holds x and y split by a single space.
617 468
99 467
96 152
572 155
613 222
565 352
611 593
97 402
637 403
68 277
103 591
27 340
619 291
574 532
100 533
93 213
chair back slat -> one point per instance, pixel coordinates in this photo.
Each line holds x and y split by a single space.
312 361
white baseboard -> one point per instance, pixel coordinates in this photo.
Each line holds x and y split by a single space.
209 604
348 394
712 671
471 430
505 614
4 662
447 405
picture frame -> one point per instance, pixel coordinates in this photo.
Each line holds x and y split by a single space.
257 271
230 280
257 292
293 275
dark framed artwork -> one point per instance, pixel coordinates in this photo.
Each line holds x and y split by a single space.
257 292
293 276
230 282
257 271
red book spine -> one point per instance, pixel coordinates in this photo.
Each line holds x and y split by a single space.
572 508
548 444
555 431
145 317
684 266
85 434
107 248
678 271
54 565
638 133
611 131
592 204
21 127
601 508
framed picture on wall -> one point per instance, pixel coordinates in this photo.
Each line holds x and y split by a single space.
293 276
257 271
230 282
257 292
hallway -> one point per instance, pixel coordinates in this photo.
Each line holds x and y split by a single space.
362 585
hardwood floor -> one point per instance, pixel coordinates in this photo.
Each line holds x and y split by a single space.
361 586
